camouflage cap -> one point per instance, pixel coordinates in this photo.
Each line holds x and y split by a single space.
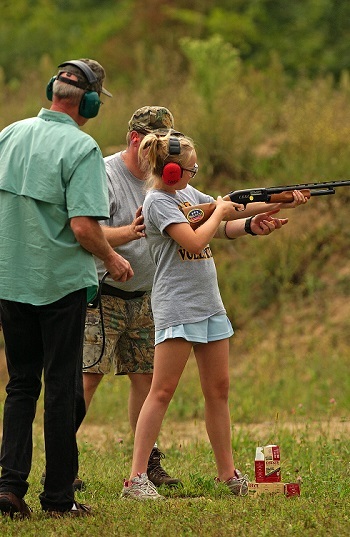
157 119
72 67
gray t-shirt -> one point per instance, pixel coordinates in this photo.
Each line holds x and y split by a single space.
185 288
126 194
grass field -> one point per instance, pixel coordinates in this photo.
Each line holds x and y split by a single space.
314 450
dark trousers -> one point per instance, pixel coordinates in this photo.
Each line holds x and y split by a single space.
44 340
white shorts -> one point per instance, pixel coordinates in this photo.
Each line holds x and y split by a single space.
211 329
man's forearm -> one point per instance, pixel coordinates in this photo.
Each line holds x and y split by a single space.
116 236
89 234
256 207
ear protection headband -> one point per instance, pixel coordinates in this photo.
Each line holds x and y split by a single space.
90 102
172 172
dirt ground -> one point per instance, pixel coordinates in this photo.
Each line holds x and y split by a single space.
182 434
186 432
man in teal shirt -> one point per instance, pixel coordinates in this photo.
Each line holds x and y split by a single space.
52 192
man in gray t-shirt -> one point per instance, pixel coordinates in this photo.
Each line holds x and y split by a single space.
126 307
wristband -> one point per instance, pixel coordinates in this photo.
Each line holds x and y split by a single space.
225 232
247 226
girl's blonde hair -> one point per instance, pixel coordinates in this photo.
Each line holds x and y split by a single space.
154 155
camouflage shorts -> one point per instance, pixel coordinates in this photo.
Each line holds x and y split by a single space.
129 336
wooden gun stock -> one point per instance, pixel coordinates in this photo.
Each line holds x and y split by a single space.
198 214
287 197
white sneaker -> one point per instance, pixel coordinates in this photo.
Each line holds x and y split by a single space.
140 488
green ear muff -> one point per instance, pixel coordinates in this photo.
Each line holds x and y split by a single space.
90 102
49 88
89 105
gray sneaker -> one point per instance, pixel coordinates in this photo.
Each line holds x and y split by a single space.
238 484
140 488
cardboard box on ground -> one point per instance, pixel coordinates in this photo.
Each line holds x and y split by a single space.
267 466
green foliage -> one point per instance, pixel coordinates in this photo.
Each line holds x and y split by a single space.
308 36
214 64
234 25
30 30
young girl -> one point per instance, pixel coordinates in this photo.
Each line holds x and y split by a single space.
187 306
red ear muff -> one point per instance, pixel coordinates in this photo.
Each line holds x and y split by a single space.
172 173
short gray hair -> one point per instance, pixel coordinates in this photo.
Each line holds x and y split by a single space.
66 91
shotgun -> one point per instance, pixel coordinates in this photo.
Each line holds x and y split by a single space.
198 214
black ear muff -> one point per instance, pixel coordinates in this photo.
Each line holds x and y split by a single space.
174 146
172 172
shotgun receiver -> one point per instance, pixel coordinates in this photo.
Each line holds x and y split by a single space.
198 214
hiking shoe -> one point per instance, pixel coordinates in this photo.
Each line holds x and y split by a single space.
78 483
156 472
78 509
238 484
140 488
10 504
